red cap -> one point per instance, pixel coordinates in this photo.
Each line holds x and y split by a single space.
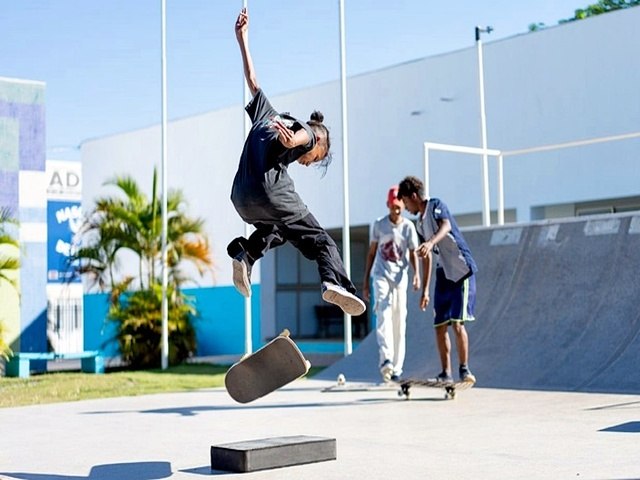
392 197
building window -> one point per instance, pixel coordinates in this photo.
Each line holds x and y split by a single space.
64 324
299 305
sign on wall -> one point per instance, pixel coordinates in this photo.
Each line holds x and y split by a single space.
64 217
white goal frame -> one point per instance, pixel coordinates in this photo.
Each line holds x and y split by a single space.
500 156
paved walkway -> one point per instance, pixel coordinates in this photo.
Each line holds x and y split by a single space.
483 434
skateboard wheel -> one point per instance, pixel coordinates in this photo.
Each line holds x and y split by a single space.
285 333
404 391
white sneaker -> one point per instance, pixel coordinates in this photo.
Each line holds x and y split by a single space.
348 302
242 275
386 370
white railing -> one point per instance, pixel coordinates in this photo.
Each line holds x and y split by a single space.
500 156
485 173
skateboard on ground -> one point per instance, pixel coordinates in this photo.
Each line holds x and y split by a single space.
277 363
450 388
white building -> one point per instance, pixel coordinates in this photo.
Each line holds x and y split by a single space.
567 83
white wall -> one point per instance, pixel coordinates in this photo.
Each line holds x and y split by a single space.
570 82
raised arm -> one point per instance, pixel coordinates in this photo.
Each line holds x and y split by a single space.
242 35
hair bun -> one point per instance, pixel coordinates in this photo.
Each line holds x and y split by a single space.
317 116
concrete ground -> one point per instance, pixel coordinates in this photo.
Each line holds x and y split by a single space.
482 434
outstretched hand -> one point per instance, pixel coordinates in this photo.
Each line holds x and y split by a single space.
242 24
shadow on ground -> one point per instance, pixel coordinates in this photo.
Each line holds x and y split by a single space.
120 471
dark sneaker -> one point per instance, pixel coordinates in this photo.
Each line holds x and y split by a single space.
395 378
466 375
242 274
347 301
444 377
386 370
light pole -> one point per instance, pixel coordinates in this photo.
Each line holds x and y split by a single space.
165 269
248 333
346 234
486 212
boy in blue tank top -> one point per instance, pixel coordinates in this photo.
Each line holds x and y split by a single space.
455 288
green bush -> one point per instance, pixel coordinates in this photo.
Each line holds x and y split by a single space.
139 318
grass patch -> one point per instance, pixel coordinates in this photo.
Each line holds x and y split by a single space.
69 387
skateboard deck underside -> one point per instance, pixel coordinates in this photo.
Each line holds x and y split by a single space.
269 368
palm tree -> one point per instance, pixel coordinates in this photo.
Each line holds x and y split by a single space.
9 264
132 222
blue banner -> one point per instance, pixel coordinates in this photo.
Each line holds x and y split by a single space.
63 221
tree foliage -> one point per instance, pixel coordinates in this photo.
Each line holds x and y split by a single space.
602 6
140 326
130 224
9 264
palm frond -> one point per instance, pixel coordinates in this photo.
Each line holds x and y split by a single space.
9 264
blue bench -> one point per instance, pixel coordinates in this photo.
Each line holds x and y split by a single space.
19 365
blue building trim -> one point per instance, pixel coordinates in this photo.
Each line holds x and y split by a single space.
33 311
219 326
99 334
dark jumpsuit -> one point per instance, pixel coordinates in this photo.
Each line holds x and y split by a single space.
264 195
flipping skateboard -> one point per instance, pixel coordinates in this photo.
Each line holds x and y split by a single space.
277 363
450 388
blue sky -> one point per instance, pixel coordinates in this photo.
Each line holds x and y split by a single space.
100 59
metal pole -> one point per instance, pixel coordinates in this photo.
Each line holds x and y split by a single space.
165 272
486 213
500 189
426 171
346 236
248 346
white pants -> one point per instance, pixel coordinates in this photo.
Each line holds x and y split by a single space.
391 321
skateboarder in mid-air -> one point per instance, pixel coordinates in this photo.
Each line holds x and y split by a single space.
263 192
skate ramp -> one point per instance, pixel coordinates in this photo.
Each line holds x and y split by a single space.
558 308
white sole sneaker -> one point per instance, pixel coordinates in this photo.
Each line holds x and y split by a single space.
386 371
470 378
348 302
241 278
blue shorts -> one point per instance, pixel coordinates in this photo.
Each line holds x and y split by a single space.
453 301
